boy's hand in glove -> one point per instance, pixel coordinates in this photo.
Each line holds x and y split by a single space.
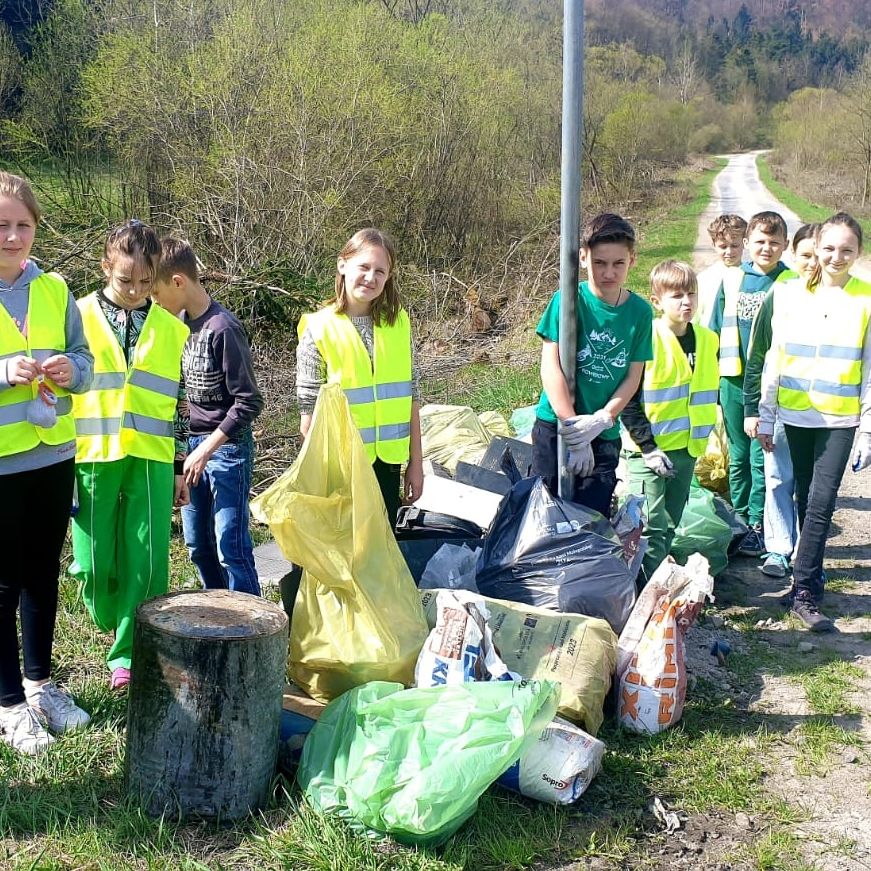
581 460
658 462
583 428
862 457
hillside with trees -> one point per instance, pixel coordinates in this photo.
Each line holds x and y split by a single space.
267 130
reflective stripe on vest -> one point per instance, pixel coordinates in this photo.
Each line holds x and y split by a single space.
820 363
730 335
46 336
130 413
680 402
378 389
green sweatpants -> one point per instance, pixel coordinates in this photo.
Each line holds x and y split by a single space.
746 460
666 499
121 543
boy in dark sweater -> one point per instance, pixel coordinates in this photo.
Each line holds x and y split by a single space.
223 401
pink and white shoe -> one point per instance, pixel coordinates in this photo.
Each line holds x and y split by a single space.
120 678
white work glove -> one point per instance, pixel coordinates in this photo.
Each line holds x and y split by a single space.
862 457
581 461
658 462
583 428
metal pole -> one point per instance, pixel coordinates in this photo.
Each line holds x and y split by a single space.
570 205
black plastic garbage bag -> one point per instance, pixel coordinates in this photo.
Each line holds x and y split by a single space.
546 551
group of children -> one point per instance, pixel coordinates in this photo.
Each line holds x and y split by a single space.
127 408
142 395
786 354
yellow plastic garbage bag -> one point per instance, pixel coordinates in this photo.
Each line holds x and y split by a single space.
451 433
358 615
712 468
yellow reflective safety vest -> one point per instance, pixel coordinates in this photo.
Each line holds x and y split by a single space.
681 402
378 389
129 412
46 336
730 336
820 336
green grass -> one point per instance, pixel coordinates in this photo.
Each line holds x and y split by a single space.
810 213
486 388
828 687
671 234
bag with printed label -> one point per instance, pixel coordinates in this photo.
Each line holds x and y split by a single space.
546 551
460 646
559 767
580 652
651 656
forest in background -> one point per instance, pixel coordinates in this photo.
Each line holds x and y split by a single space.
267 131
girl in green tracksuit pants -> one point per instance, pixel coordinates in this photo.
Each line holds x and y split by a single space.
127 444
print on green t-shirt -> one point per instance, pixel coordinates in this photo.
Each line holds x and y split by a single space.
609 339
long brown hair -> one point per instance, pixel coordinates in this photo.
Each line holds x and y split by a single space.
840 219
386 307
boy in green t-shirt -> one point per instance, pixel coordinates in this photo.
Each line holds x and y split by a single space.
614 342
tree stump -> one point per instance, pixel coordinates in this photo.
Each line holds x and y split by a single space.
205 703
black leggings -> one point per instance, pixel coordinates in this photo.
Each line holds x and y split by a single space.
819 458
34 514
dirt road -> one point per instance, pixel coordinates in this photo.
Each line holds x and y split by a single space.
793 684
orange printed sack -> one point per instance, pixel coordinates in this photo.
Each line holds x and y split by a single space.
651 657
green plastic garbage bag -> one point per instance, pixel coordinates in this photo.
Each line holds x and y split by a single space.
702 531
413 763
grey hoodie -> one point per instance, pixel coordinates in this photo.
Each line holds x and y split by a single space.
15 299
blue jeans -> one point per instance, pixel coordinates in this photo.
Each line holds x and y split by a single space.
216 521
780 520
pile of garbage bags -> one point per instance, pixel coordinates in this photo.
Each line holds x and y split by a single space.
495 671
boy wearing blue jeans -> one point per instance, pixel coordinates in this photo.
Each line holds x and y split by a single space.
614 341
223 401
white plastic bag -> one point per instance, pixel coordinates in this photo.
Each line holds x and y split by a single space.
651 656
559 767
451 567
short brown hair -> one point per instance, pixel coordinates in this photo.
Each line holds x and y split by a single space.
177 258
672 275
608 228
769 222
725 225
18 188
385 307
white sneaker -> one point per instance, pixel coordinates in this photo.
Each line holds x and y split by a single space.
20 727
56 707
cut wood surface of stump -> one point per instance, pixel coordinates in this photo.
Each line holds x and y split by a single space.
205 703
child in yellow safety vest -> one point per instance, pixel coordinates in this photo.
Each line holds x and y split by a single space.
675 408
735 308
130 442
727 234
362 340
817 383
43 359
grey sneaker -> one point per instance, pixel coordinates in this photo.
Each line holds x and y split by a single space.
776 565
56 707
753 544
21 729
804 607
